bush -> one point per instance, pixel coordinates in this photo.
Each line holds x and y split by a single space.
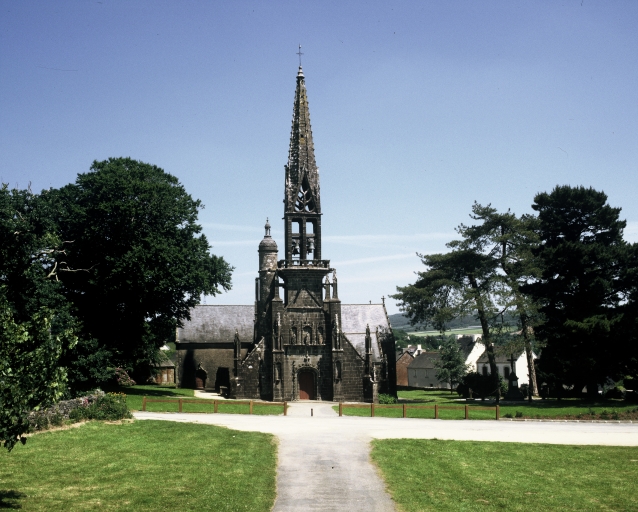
519 414
123 378
481 386
387 399
111 406
616 392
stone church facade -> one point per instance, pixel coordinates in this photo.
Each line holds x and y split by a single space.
298 341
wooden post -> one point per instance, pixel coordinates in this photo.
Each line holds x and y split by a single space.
498 412
340 408
250 409
285 408
405 411
467 412
436 411
144 403
372 410
180 405
215 406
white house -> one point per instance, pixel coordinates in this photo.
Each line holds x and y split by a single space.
503 365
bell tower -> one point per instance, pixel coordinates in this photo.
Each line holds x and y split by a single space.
302 210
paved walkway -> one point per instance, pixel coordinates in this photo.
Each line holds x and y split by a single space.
324 460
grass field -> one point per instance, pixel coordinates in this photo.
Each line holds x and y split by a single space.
424 475
550 409
470 330
134 395
142 465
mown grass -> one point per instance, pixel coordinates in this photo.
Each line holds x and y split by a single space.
144 465
424 475
135 394
538 409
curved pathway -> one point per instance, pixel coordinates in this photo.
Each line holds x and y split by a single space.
324 460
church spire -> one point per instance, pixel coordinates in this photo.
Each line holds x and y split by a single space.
302 210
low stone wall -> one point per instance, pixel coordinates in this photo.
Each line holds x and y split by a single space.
62 409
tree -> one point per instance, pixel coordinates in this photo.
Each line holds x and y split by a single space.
455 284
585 286
33 336
509 240
145 264
451 367
30 371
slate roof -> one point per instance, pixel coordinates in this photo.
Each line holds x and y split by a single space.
500 357
217 324
355 317
425 360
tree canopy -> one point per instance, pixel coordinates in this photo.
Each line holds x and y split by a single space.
138 261
585 290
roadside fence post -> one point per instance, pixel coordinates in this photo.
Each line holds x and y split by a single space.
436 411
285 408
340 408
215 406
372 410
498 412
144 404
250 409
405 411
180 405
467 412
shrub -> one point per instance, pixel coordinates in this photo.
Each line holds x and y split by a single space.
616 392
519 414
508 415
387 399
123 378
480 385
111 406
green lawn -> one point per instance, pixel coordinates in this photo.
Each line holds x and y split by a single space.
134 395
551 408
466 475
142 465
474 330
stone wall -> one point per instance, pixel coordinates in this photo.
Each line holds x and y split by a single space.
62 409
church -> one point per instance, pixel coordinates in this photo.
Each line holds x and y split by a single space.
298 341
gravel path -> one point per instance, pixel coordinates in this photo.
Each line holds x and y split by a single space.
324 460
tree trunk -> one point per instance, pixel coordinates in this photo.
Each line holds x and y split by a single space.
531 367
489 346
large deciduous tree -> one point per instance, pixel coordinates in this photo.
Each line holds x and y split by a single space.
35 328
585 290
145 263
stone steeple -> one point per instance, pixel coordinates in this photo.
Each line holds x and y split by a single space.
302 210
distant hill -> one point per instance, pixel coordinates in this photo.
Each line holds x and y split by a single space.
400 321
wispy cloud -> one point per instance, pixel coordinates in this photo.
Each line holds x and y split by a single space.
388 239
230 243
375 259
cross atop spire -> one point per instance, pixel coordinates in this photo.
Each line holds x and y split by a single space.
300 54
302 210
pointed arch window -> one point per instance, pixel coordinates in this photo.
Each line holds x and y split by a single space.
305 202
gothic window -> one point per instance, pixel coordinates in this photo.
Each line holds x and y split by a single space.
305 201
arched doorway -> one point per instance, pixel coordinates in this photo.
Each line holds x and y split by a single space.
306 385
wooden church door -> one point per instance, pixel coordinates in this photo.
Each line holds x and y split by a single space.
306 385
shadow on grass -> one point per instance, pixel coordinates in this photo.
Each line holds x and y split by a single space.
9 499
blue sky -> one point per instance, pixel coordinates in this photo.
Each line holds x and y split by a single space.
418 109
